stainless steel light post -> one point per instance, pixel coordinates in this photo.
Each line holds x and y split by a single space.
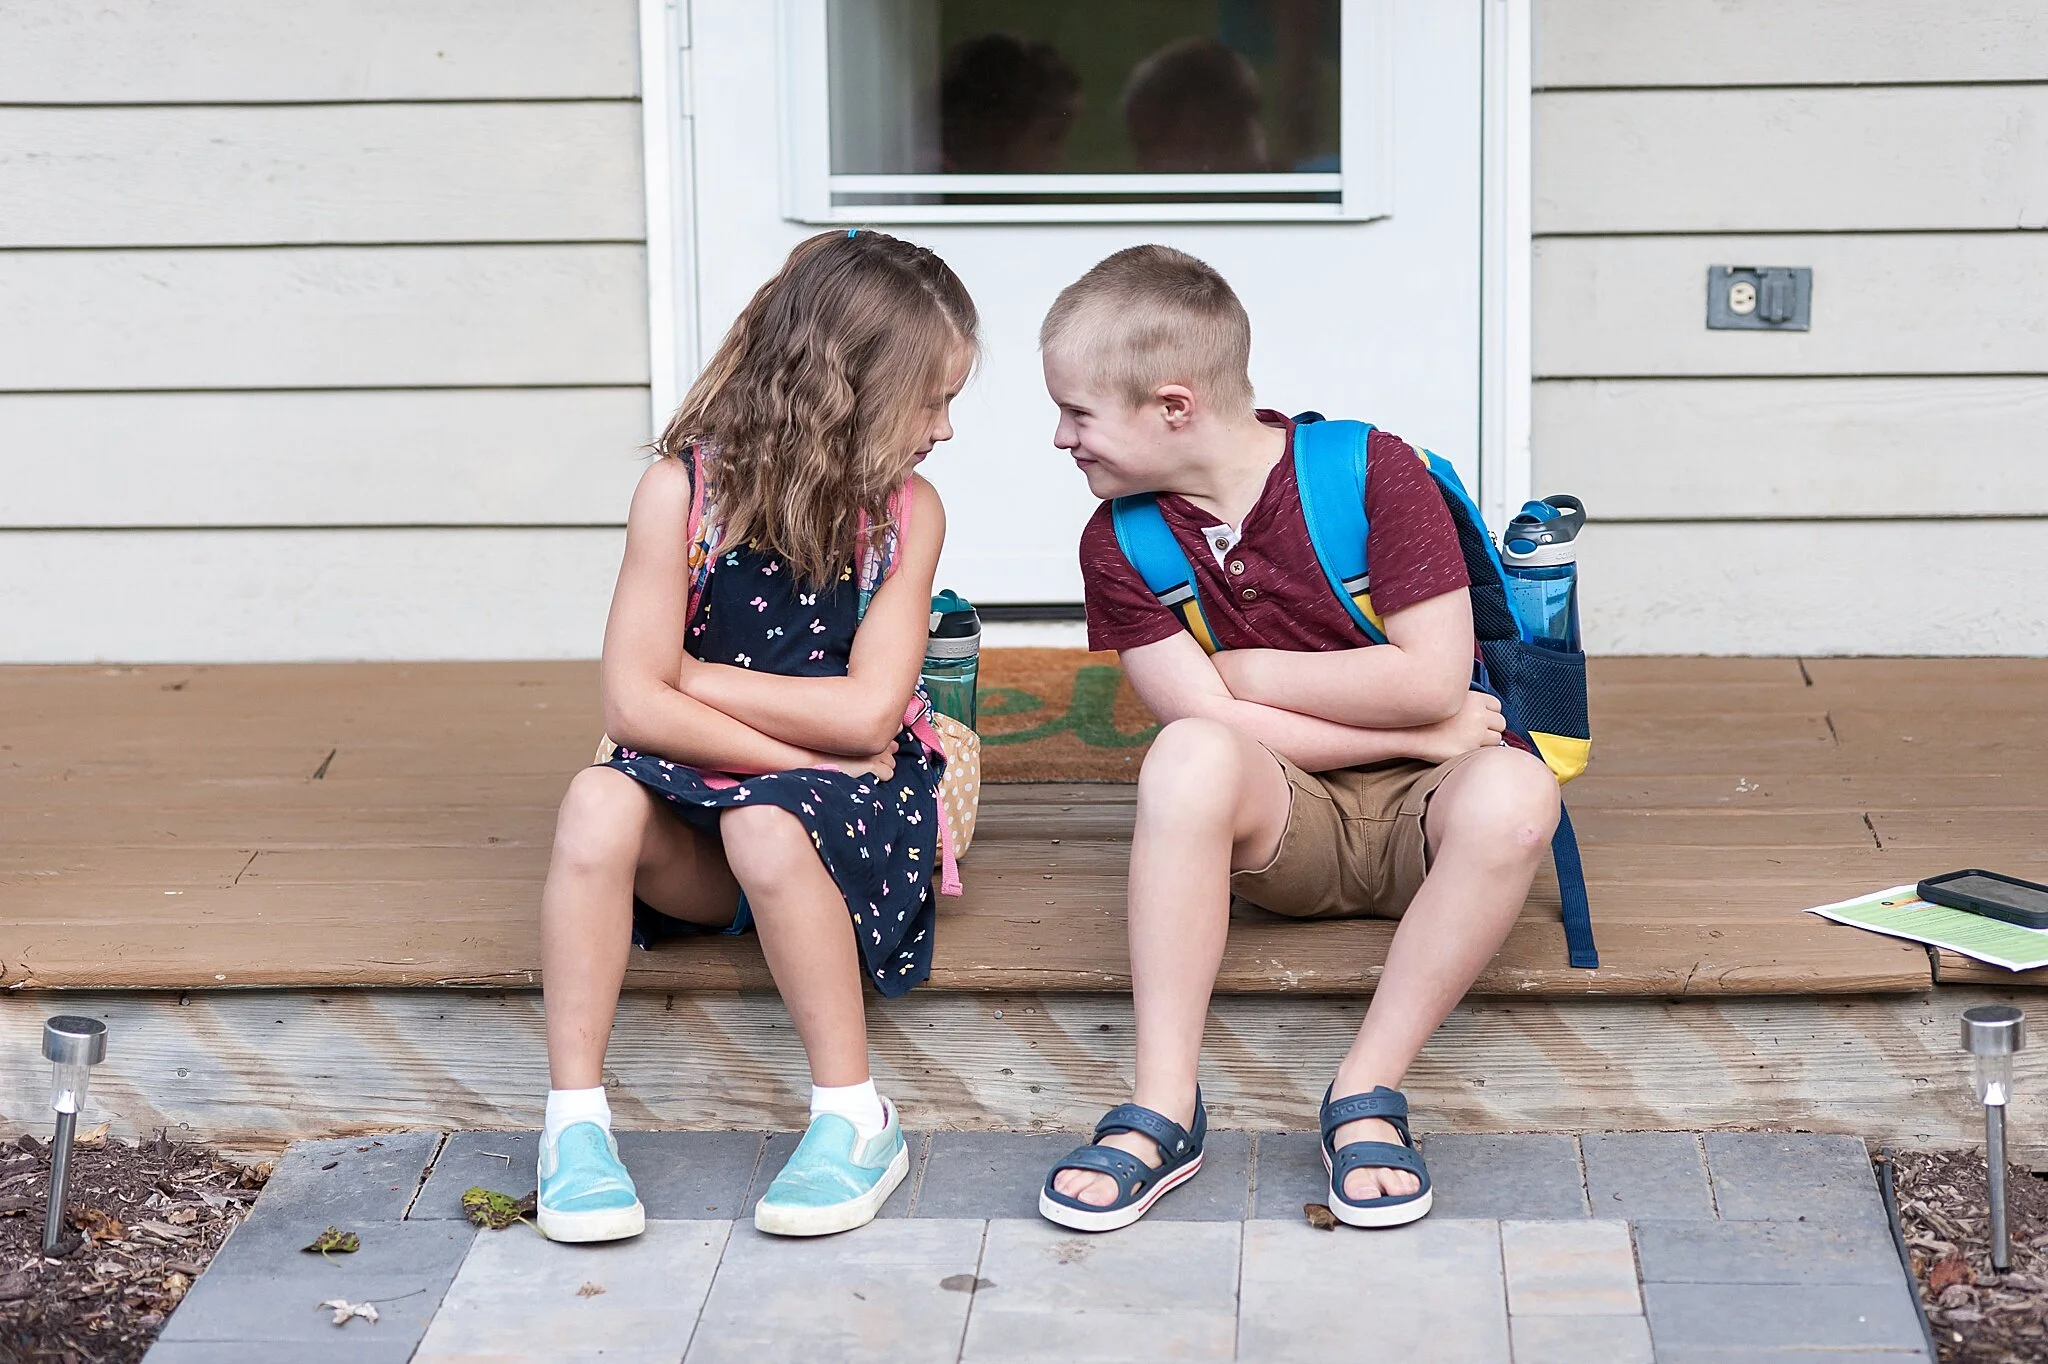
1992 1033
73 1045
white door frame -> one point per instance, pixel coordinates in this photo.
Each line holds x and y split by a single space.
667 128
1506 267
1506 357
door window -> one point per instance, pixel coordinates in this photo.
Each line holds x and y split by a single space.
1084 110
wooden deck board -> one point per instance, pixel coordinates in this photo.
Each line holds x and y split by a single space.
163 827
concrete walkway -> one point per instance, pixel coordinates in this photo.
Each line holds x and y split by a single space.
1616 1248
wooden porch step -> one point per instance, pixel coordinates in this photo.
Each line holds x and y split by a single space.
387 825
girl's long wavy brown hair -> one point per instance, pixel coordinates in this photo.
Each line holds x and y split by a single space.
811 410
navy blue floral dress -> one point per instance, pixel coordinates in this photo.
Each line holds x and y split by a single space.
878 839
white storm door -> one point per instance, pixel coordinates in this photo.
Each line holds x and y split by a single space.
1376 318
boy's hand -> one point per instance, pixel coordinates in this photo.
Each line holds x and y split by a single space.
1478 724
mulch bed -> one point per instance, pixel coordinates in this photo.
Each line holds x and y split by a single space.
1979 1316
144 1221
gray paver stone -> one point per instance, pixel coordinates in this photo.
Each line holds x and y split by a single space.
263 1287
520 1297
892 1292
1570 1268
679 1175
1757 1317
1524 1175
1155 1290
1646 1174
1431 1290
1816 1356
781 1146
1289 1173
352 1344
991 1174
1790 1356
372 1179
1581 1340
1788 1177
1767 1252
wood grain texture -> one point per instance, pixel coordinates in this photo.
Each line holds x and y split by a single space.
208 51
279 174
1611 307
362 458
1699 450
329 825
131 595
1768 42
323 317
1923 158
255 1069
1816 587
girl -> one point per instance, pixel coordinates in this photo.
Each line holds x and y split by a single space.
760 662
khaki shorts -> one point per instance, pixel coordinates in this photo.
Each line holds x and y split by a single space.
1354 845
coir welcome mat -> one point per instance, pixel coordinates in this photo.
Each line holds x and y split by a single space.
1059 715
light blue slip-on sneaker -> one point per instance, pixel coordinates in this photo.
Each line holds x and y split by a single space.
834 1181
585 1193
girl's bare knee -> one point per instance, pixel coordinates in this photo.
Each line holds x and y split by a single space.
602 820
760 843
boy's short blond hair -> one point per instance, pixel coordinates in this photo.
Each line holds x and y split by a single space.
1151 315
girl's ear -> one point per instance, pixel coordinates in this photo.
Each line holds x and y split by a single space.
1176 403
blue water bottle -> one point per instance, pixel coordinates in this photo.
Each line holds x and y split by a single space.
1541 555
952 656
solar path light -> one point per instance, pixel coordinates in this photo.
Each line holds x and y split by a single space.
73 1046
1992 1033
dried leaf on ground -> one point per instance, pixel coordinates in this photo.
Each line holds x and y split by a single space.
336 1240
1319 1216
93 1136
98 1225
344 1310
1950 1269
590 1290
489 1208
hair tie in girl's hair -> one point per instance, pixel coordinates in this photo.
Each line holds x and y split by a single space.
852 232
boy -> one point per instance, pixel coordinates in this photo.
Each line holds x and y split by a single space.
1311 774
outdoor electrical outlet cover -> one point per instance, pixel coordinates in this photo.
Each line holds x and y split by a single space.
1769 298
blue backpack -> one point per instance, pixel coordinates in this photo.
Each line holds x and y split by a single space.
1542 690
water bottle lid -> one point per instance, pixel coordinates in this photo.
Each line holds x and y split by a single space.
953 616
1542 533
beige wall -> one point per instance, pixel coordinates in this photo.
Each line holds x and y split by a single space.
323 326
1878 484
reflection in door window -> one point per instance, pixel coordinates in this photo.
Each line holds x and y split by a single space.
1174 104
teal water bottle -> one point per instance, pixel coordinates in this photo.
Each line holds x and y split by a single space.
1541 555
952 656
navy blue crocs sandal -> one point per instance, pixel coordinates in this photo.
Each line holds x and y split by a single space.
1393 1210
1138 1185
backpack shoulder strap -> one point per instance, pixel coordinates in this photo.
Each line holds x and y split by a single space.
878 554
1329 470
1147 541
698 535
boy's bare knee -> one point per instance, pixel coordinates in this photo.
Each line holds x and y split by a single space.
1506 797
602 820
1188 750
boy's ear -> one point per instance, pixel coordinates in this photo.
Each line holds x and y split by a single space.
1175 402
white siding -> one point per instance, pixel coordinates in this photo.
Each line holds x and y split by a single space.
292 51
323 326
1878 484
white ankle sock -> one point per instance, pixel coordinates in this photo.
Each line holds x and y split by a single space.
858 1104
567 1106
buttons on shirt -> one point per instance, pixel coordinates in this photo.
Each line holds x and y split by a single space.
1237 566
1250 594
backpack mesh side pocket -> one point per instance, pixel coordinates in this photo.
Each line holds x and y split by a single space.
1543 695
